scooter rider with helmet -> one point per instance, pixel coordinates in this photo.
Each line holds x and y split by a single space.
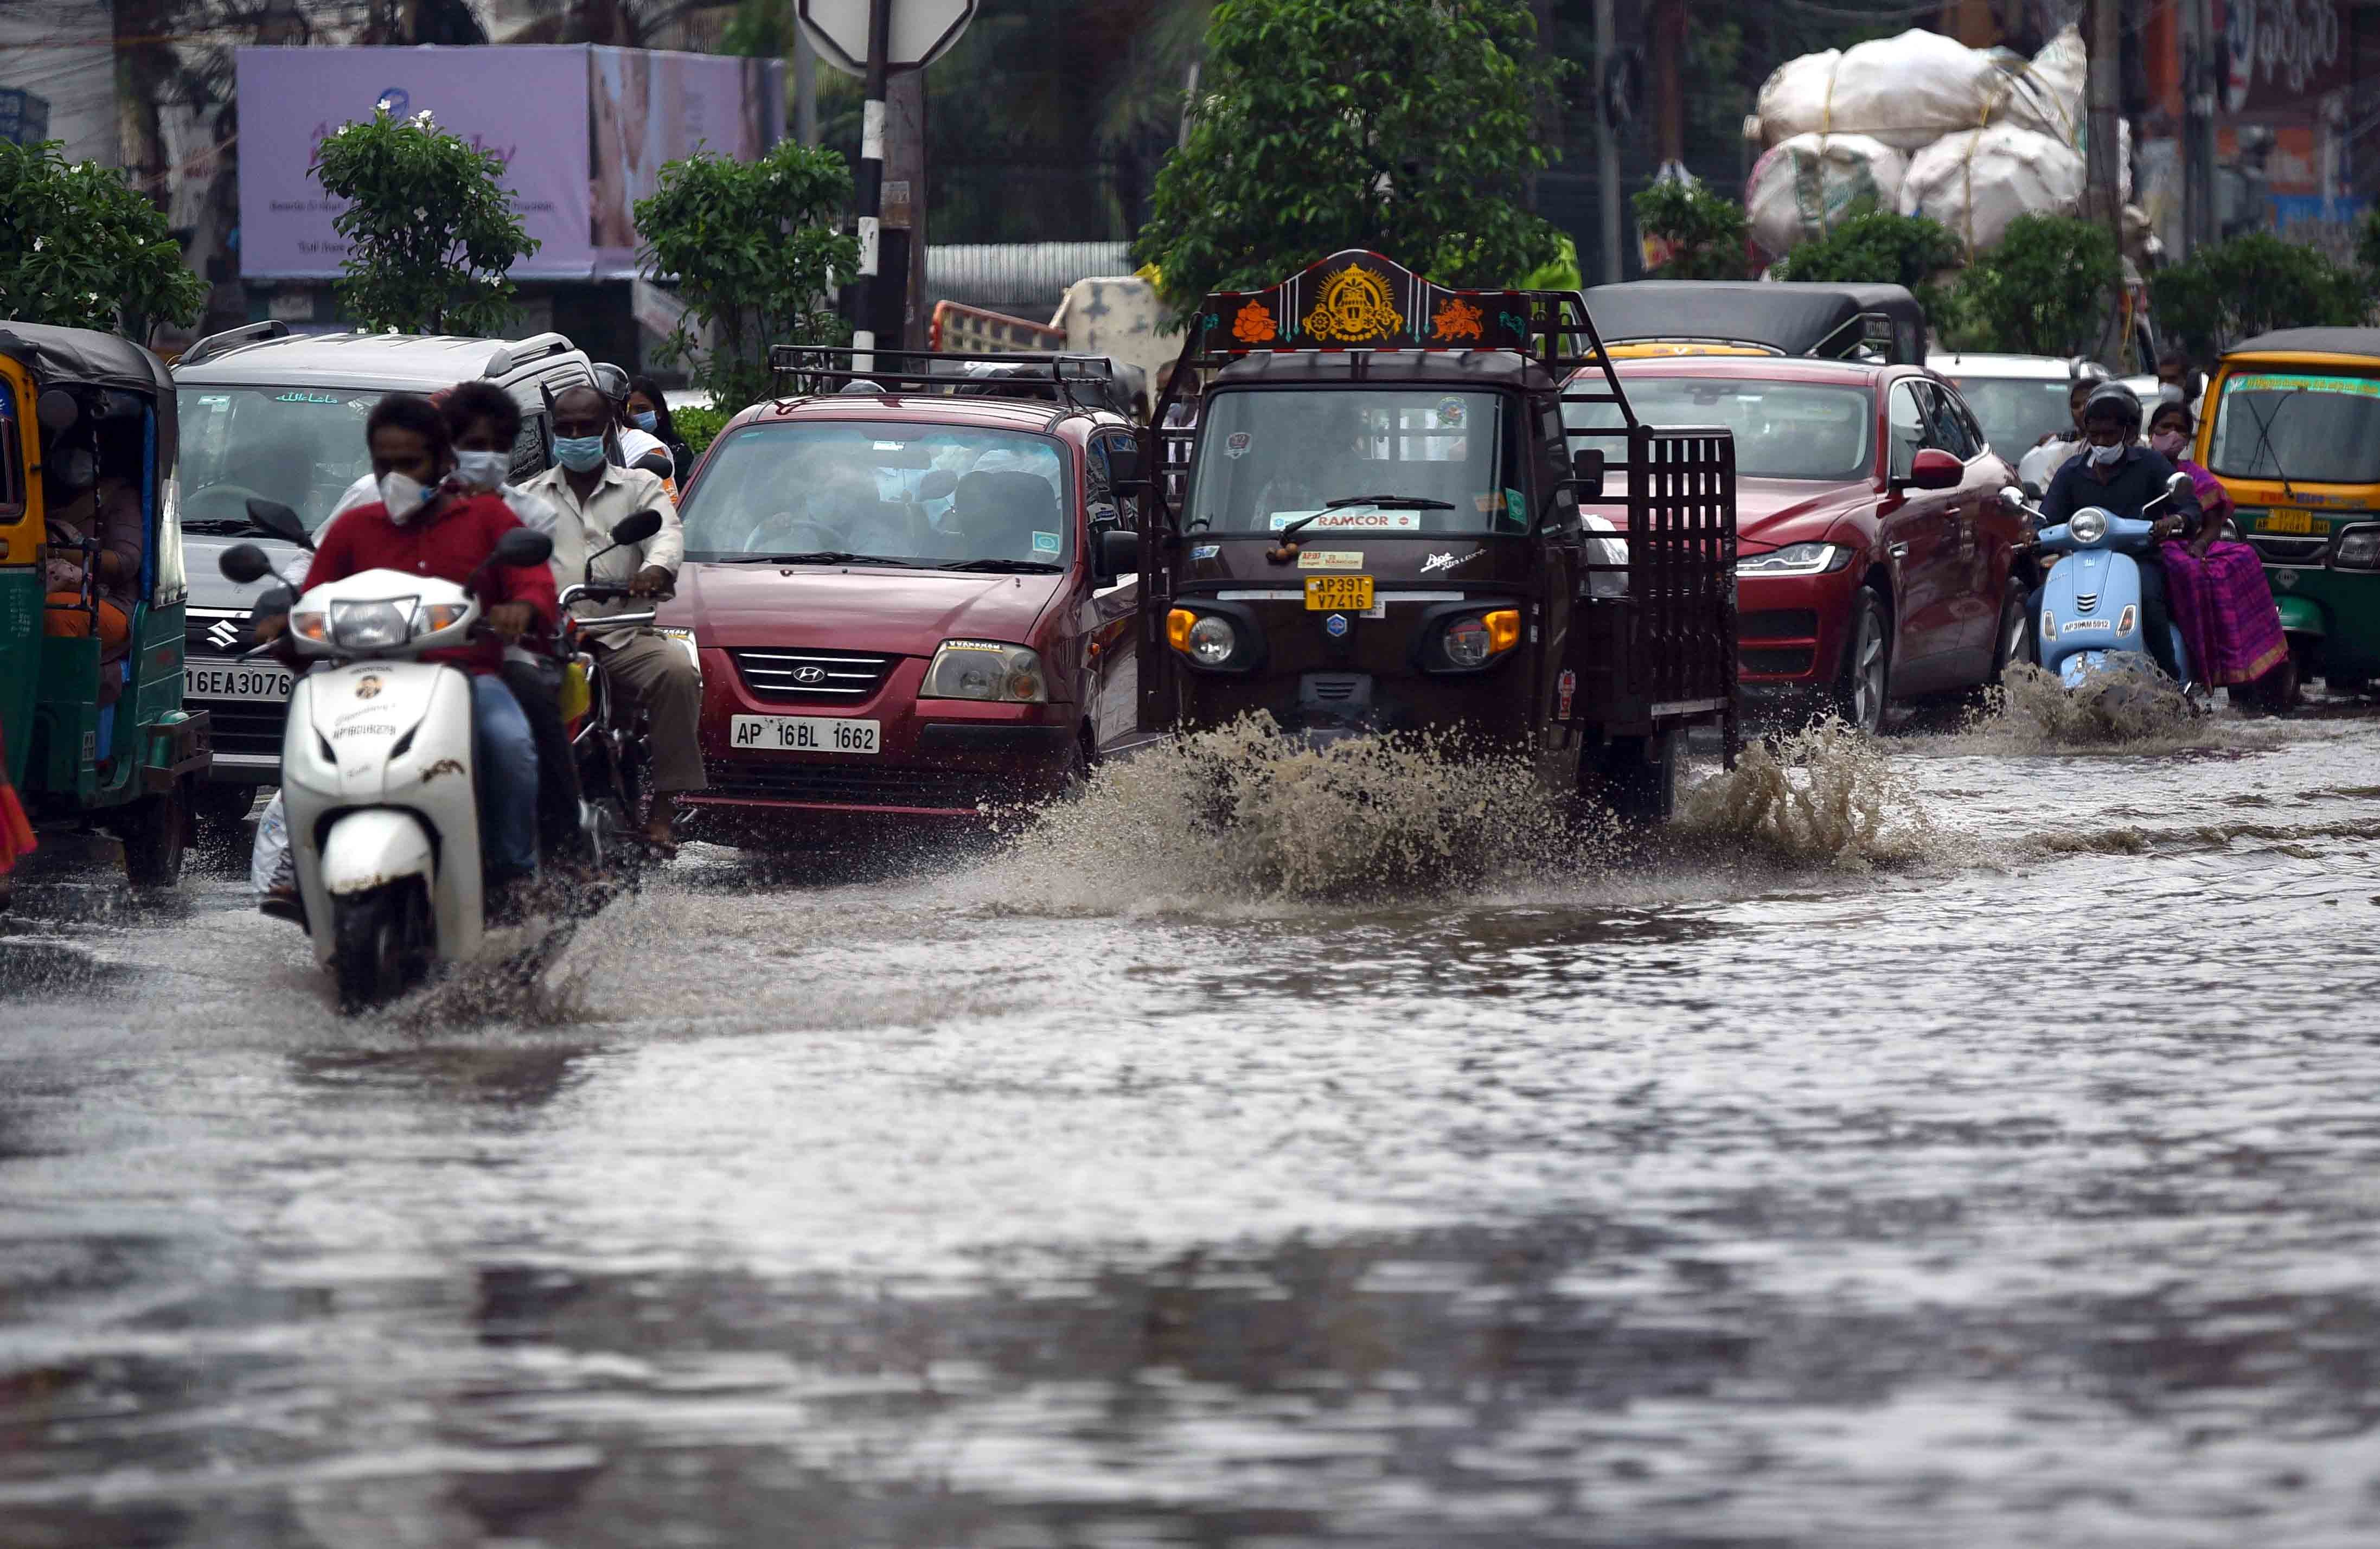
638 448
2121 477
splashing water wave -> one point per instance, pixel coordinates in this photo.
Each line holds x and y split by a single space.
1825 795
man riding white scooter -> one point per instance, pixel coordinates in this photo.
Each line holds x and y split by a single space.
2122 478
425 527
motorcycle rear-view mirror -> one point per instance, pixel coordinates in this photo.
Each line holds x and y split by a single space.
2012 498
2178 485
939 485
244 563
637 527
522 547
273 517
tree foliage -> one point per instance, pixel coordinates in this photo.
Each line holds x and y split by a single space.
431 232
1704 232
1409 129
2227 291
1880 248
756 248
2044 289
81 249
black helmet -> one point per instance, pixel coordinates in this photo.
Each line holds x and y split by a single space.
2116 402
612 382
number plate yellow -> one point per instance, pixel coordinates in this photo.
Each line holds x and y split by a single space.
1337 594
2289 521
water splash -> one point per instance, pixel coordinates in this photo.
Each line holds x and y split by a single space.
2127 704
1825 795
1243 816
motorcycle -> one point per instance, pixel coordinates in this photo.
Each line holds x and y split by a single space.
2091 603
612 761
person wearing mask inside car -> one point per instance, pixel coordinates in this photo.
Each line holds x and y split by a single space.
2121 477
426 524
652 673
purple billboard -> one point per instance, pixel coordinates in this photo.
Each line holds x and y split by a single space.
536 107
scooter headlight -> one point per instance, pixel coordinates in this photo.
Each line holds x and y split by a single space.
372 626
2088 525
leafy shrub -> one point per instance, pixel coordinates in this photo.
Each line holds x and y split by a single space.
2227 291
81 250
2044 290
757 249
1877 248
431 232
700 428
1705 233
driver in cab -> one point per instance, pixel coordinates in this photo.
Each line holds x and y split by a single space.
2121 477
424 524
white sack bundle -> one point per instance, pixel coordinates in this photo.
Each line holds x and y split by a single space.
1803 188
1977 182
1911 90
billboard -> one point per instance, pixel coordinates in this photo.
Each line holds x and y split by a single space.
539 107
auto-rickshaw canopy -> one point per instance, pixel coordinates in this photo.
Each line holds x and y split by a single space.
82 357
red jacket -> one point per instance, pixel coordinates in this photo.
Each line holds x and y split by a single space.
449 545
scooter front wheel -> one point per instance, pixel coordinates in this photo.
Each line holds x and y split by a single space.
381 943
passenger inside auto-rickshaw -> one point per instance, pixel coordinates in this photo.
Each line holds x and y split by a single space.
92 593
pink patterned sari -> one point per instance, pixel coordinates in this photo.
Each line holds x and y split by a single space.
2222 602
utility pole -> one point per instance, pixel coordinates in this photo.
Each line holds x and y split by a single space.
904 280
1606 143
804 87
2198 89
1669 90
2103 184
869 192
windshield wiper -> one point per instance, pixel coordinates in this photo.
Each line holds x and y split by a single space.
824 556
1021 567
2265 439
1378 502
224 527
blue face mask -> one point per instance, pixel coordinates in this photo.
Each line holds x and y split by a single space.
649 421
579 453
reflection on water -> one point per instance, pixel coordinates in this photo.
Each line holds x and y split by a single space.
1964 1142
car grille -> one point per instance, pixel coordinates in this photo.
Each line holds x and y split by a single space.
1786 663
1778 624
813 677
249 727
2086 600
859 785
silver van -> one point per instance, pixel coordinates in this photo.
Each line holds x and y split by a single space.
266 413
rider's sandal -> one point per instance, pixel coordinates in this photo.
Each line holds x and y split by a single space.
280 903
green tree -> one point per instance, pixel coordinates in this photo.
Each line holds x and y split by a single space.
1706 232
431 232
2044 290
756 248
81 250
1409 129
2227 291
1881 248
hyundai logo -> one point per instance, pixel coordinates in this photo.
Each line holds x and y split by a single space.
810 675
223 632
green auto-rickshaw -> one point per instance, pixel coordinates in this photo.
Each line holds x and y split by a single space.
2292 428
90 631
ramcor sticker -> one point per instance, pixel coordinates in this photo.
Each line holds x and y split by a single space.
1350 521
1449 413
1045 543
1236 444
1205 551
1330 559
1566 689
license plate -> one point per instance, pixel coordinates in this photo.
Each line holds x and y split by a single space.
1337 594
806 733
239 680
2289 521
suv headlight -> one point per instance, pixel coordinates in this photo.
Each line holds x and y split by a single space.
1796 559
986 670
372 626
2359 550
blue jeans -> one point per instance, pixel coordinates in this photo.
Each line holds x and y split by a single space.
506 757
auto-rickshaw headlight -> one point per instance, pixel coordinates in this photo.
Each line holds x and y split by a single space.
1466 642
2358 550
1475 640
1212 640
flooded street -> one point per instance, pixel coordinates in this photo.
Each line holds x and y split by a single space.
1996 1166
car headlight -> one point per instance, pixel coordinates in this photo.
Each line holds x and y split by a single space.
2088 524
684 638
372 626
2359 550
1475 640
986 670
1796 559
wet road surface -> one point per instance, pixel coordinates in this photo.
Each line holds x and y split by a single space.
1987 1158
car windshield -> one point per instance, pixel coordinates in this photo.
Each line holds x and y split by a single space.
2310 428
1440 462
1783 429
937 495
2016 412
301 446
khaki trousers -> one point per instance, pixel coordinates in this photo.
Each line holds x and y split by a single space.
653 675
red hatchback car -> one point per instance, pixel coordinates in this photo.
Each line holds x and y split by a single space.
900 606
1875 562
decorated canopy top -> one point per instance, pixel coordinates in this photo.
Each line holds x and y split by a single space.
1359 300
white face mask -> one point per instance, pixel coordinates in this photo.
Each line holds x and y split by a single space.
402 494
483 470
2104 455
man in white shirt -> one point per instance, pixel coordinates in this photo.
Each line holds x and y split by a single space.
592 495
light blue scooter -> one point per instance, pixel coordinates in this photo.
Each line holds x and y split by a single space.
2091 603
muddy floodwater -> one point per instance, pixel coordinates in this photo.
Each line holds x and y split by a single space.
1977 1144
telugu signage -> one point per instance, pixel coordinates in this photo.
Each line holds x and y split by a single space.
2284 53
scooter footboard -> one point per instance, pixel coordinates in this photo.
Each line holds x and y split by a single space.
373 847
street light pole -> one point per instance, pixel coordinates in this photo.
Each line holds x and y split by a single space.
870 183
1607 145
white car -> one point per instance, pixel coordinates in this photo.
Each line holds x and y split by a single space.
2018 399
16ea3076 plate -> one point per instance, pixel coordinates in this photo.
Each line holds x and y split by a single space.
806 733
236 681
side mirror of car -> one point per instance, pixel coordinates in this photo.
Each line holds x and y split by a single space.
273 517
1119 553
1125 463
1586 473
636 528
1934 468
524 547
244 563
939 485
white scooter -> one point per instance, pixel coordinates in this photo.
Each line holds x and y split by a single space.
378 771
